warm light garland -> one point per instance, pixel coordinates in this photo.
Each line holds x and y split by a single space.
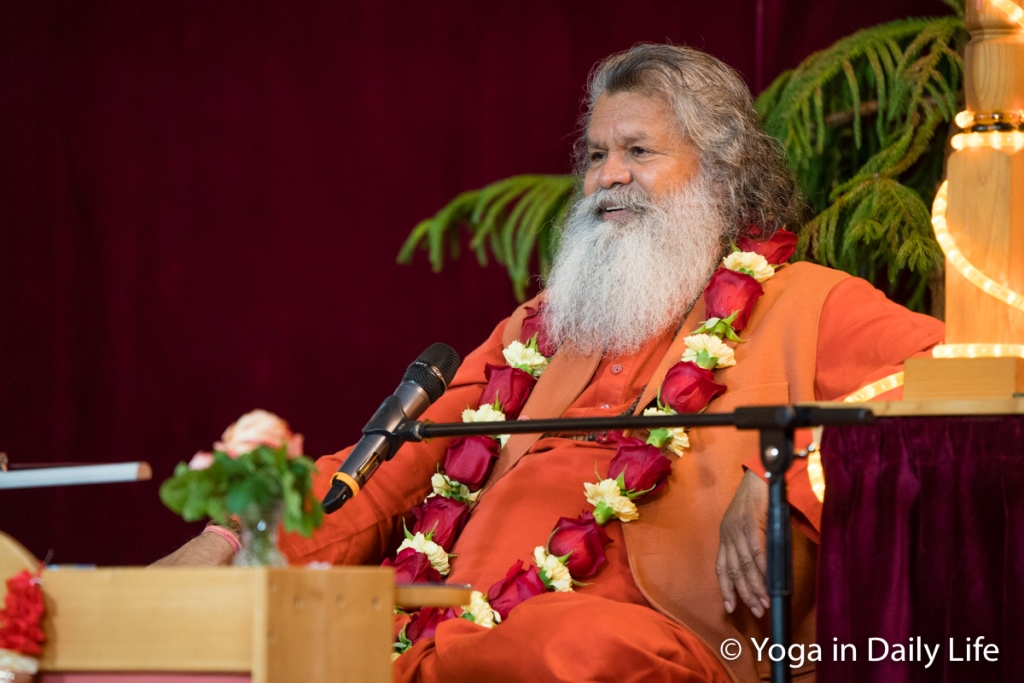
978 351
960 262
1012 9
883 385
816 473
1009 141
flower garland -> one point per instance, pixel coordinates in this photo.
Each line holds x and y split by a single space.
21 637
575 548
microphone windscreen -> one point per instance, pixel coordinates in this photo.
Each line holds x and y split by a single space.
438 358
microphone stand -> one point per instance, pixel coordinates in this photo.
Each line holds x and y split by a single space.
776 424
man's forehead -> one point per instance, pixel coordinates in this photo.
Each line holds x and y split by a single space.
628 117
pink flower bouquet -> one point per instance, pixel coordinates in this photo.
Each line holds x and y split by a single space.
257 464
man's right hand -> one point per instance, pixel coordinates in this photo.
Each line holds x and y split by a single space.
742 562
205 550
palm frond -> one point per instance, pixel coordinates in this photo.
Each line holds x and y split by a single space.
512 220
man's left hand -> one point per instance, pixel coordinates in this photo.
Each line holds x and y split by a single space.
742 563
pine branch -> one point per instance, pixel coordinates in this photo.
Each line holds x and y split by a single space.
868 221
511 219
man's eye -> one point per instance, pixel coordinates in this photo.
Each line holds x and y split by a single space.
640 151
596 156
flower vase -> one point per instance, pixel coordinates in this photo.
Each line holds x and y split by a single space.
16 667
259 537
12 676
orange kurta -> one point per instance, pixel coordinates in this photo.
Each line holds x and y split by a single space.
850 336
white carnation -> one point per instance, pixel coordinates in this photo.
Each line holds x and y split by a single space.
526 358
722 352
607 491
749 262
15 661
435 553
449 488
486 413
480 610
557 573
680 440
440 484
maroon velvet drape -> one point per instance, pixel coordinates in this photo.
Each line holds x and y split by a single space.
201 202
922 541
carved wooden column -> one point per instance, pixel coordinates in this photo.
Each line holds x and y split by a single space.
979 220
986 183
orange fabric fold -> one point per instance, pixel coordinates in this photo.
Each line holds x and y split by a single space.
564 638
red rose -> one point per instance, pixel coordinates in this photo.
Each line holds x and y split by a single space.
642 465
730 292
412 566
533 324
26 643
468 459
583 540
776 249
510 387
23 610
442 517
519 584
688 388
423 624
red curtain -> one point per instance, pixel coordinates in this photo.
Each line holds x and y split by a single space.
201 202
922 544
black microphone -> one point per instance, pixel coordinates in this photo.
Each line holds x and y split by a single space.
422 384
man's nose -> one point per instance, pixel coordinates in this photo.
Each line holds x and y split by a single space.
614 171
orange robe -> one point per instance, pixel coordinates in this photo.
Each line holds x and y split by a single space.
849 336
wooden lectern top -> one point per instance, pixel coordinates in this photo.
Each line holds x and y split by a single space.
280 624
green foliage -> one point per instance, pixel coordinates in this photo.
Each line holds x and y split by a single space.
864 126
237 486
515 219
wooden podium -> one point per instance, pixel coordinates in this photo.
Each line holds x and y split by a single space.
277 624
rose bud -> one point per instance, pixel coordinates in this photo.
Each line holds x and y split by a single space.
643 466
533 324
412 566
731 292
583 540
468 459
442 517
201 461
519 584
424 623
688 388
510 387
258 428
776 249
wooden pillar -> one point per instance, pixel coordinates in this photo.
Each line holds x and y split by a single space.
985 212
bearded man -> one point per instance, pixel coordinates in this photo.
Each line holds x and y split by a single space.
675 169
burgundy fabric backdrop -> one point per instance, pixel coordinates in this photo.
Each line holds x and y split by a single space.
922 544
200 205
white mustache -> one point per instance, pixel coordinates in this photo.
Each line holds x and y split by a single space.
631 197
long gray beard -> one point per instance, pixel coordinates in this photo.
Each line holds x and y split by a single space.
615 285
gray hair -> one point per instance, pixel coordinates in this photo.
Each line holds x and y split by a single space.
715 113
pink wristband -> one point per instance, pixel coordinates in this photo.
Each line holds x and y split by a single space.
226 534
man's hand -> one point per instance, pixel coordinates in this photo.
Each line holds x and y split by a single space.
205 550
742 563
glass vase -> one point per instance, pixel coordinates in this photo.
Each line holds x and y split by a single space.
12 676
259 537
16 667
